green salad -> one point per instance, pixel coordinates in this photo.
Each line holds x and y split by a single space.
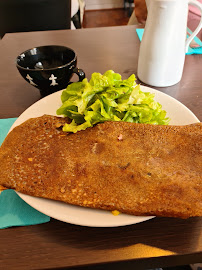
108 98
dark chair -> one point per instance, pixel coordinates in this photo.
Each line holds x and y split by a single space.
34 15
76 20
128 5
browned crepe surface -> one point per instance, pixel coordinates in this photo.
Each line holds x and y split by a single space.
2 188
138 169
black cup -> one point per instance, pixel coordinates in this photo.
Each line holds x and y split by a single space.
49 68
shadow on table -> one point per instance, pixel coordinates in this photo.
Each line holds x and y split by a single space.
146 233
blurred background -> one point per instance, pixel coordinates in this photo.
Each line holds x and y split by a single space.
39 15
103 13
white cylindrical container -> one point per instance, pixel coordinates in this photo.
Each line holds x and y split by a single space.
164 44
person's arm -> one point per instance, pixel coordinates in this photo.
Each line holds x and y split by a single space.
140 10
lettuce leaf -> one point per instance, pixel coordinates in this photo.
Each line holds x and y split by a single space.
108 98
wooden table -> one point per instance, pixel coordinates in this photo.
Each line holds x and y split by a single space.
158 242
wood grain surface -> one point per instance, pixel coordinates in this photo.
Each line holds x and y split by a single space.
105 18
154 243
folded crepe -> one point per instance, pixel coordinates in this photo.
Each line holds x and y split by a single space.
138 169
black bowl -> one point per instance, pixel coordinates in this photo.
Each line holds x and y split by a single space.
49 68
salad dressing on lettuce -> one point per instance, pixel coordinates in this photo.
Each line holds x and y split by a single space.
108 98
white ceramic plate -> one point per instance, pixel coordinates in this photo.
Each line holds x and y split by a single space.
179 115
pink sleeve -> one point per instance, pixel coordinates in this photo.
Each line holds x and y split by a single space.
195 10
